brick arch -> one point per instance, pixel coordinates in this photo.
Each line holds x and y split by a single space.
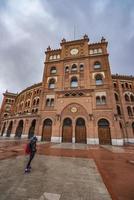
73 110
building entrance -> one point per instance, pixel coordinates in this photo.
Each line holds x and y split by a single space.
47 130
80 131
104 132
67 130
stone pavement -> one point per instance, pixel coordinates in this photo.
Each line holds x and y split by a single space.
55 178
84 171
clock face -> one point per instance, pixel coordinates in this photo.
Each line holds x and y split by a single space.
74 51
73 109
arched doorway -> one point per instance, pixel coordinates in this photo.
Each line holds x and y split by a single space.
3 129
9 129
32 129
133 127
47 130
19 129
80 131
67 130
104 132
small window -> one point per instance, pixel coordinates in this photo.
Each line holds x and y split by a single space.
74 82
103 100
52 84
126 85
98 79
34 101
48 102
81 67
52 102
98 100
116 97
118 110
115 85
38 100
132 97
74 68
126 97
53 70
122 85
66 69
129 111
97 65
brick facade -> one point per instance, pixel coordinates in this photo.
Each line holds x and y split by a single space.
78 100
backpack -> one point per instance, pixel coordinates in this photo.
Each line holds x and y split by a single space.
27 149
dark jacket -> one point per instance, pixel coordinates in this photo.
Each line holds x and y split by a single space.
32 146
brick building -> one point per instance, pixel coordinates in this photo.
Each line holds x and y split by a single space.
78 100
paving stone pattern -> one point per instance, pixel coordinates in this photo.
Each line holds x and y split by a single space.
51 178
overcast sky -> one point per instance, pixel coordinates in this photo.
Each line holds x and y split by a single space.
27 27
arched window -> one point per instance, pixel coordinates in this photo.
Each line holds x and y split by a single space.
74 82
74 68
132 98
53 70
126 84
38 100
98 100
116 97
115 85
126 97
103 100
28 103
118 110
98 79
36 110
97 65
34 101
66 69
129 111
103 123
81 67
48 102
52 102
122 85
52 83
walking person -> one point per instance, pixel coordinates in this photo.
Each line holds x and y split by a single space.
31 150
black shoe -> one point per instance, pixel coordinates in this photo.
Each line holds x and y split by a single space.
27 170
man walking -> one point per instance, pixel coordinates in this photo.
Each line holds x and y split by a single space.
31 150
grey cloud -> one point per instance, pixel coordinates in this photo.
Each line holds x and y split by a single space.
28 27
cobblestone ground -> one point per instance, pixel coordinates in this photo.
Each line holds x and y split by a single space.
66 172
70 178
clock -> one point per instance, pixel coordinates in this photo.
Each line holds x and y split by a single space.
73 109
74 51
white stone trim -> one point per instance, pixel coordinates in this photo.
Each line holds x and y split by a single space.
12 135
117 142
24 136
73 139
56 139
92 140
38 137
95 73
100 94
131 140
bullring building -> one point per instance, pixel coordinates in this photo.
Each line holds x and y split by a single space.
78 100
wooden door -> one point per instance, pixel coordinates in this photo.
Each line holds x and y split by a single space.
67 130
47 130
80 131
104 135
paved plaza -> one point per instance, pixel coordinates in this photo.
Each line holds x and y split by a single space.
66 172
